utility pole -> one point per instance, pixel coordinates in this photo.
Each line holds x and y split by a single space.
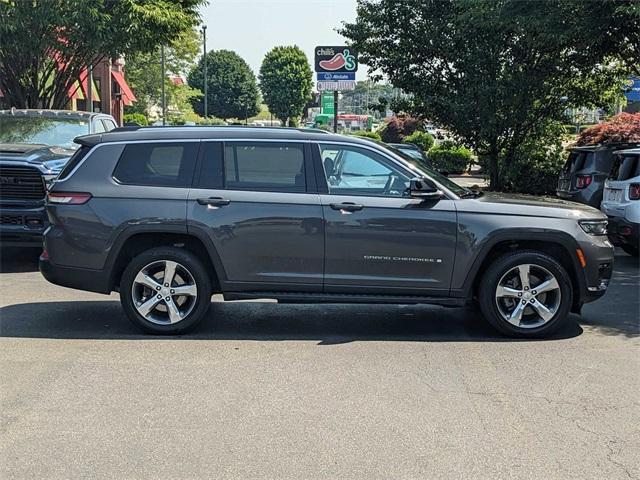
164 100
90 88
335 111
204 59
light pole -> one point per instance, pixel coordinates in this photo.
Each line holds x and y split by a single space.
164 100
204 58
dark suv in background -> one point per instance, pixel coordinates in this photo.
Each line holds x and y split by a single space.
583 175
34 146
168 216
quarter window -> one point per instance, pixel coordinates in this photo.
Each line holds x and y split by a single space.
157 164
264 166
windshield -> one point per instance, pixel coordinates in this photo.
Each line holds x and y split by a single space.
45 131
423 170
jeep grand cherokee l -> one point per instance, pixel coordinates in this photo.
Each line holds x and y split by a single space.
168 216
34 146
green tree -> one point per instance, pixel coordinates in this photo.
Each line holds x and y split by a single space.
47 43
232 90
144 74
286 82
494 73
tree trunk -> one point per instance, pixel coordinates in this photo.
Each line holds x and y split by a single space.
495 180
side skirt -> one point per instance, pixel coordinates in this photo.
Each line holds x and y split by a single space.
293 297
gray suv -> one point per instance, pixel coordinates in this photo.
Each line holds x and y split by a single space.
583 174
169 216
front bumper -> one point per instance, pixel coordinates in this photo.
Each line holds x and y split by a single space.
623 232
21 226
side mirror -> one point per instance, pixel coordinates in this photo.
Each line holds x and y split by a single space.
424 189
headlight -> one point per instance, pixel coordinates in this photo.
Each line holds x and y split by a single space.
594 227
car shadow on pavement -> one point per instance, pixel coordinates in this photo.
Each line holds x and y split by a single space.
260 321
19 260
618 312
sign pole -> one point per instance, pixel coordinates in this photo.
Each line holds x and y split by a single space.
335 111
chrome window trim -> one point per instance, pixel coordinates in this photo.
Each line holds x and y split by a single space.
400 163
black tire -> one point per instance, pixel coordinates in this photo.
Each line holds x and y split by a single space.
500 267
630 250
195 268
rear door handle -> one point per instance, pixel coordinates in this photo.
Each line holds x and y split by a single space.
346 207
214 201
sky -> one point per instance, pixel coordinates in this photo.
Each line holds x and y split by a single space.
253 27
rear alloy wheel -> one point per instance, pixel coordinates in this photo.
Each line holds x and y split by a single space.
526 294
165 290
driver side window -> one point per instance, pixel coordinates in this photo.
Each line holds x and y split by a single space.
358 171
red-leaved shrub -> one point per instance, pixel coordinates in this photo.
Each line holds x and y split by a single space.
399 127
623 128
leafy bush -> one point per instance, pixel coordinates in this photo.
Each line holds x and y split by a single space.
210 121
138 118
537 164
449 157
399 127
624 127
364 133
421 139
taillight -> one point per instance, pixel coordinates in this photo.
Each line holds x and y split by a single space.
634 191
583 181
67 198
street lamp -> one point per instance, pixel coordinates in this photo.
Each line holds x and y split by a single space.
204 57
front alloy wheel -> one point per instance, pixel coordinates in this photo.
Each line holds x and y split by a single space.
528 296
525 294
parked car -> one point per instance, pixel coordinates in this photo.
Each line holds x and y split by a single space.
622 201
169 216
583 175
413 151
34 146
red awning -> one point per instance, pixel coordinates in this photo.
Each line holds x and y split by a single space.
127 95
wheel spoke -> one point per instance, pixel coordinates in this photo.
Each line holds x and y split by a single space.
147 307
516 315
503 291
174 313
169 272
547 286
524 276
189 290
542 310
146 280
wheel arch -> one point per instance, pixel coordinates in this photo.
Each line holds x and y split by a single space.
559 245
134 241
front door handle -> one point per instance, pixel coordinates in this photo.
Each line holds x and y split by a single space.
214 201
346 207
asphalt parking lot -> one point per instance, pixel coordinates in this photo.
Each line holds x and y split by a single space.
263 390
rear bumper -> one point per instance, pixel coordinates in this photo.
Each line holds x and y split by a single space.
623 232
78 278
22 226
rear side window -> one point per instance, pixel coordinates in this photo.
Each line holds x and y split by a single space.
73 162
625 167
264 166
157 164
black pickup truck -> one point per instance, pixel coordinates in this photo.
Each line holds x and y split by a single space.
34 146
